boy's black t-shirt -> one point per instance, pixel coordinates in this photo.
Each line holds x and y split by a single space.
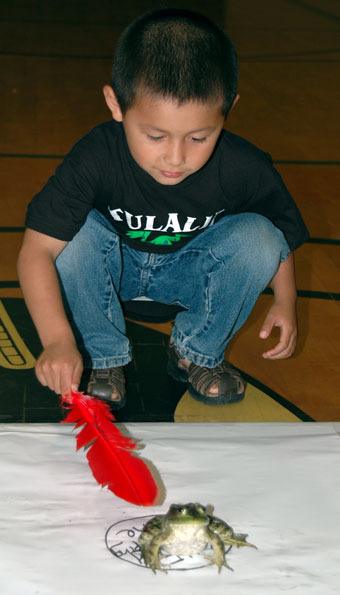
99 172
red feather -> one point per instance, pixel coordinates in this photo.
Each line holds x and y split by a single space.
109 451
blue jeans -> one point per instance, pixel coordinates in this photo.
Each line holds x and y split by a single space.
216 277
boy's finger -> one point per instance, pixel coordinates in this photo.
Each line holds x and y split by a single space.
71 379
266 329
41 376
76 376
65 382
281 350
281 346
46 377
281 355
55 384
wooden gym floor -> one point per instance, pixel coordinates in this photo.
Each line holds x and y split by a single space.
55 56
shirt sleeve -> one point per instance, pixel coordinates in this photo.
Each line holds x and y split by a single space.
61 207
268 196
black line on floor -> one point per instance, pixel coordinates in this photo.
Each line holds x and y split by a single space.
306 293
319 295
290 54
77 23
31 156
58 56
9 284
323 241
294 60
11 229
307 161
276 397
323 13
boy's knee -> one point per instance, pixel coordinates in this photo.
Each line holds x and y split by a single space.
92 242
260 233
264 245
254 242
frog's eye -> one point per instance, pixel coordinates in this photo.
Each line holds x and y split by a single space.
201 509
177 508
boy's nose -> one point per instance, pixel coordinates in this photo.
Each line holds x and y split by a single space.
175 155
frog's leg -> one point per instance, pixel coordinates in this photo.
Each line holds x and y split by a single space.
155 548
238 539
151 558
219 551
150 530
151 553
227 534
152 527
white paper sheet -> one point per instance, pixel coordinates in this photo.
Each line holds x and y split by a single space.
280 483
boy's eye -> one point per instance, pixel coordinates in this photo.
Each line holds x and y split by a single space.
194 139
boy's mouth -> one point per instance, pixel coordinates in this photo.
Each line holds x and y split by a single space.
172 174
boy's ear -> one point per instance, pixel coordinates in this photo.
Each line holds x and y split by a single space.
112 103
237 97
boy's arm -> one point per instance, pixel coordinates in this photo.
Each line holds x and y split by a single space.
282 314
60 365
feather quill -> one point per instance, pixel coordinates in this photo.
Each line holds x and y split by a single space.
109 452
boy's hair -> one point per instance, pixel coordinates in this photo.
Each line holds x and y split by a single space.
178 54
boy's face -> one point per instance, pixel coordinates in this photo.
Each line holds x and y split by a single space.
169 141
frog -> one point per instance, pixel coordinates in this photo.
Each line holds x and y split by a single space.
187 530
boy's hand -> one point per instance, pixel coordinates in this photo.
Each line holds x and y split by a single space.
282 315
60 367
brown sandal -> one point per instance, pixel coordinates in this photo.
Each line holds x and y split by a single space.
200 379
104 382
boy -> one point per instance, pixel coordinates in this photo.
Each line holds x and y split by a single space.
161 202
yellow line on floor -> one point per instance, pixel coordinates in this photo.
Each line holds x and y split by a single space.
255 407
14 354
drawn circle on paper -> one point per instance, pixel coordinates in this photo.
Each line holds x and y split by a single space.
122 541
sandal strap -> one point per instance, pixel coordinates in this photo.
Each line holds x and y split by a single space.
104 381
229 380
199 378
